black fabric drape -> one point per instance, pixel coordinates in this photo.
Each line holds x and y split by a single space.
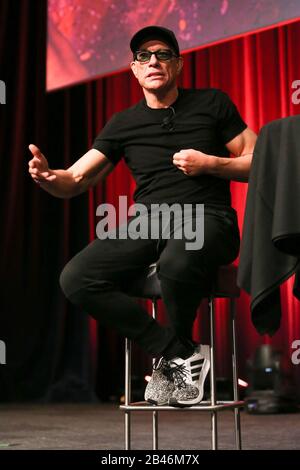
271 235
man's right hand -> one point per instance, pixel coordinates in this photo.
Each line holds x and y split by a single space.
38 166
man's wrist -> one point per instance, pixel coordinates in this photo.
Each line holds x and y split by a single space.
212 164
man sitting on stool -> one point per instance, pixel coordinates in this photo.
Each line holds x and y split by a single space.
177 143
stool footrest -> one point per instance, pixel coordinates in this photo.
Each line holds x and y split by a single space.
205 406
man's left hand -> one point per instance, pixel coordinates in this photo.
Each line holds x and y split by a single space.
193 162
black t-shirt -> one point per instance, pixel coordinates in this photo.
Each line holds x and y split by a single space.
204 119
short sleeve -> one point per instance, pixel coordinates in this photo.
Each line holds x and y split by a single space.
229 122
108 141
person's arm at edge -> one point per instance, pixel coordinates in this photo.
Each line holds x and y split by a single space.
86 172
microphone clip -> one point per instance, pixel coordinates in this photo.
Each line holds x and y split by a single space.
168 122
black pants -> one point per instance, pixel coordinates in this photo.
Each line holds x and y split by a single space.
96 278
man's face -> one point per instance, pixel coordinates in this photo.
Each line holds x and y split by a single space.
155 74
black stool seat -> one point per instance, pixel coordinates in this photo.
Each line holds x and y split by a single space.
147 285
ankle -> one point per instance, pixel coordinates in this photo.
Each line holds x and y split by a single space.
179 348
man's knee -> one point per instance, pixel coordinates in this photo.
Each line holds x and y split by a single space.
77 281
69 279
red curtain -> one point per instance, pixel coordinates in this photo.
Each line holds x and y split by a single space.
257 72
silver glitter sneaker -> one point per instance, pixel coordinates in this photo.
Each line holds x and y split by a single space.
189 377
161 385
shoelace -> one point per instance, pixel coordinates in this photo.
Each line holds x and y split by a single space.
179 373
166 369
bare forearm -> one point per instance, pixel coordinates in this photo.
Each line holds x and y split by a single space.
194 163
67 185
236 169
64 185
87 171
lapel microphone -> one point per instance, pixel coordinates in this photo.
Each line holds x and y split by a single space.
168 121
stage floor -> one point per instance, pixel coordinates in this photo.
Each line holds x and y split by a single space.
101 426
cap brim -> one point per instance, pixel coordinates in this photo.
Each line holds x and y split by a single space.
153 32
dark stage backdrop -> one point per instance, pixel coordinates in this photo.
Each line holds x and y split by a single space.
55 352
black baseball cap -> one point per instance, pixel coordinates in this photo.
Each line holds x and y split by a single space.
154 32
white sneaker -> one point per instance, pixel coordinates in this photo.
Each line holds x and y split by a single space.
189 377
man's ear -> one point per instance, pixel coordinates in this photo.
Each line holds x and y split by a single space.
179 65
133 68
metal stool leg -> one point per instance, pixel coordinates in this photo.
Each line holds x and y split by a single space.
127 393
237 415
155 413
213 397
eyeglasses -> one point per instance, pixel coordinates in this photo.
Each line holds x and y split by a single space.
162 55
